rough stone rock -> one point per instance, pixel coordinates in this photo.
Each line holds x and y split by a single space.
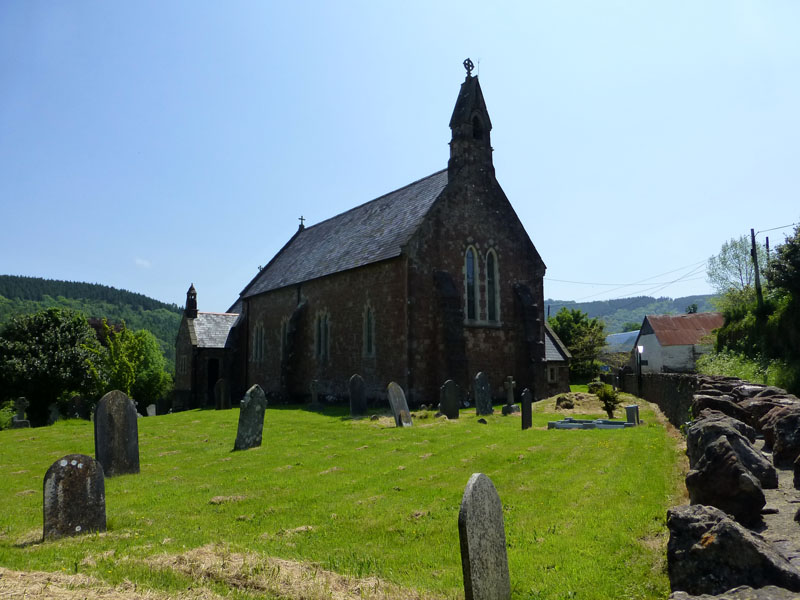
772 391
796 473
786 439
766 424
704 432
709 553
565 402
723 404
716 416
744 592
483 421
720 479
747 390
758 407
710 391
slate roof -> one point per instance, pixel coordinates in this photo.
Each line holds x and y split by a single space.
683 330
621 342
369 233
554 348
211 330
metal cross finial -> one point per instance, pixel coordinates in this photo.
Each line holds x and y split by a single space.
469 66
302 222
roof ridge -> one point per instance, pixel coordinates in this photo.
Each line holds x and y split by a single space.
225 314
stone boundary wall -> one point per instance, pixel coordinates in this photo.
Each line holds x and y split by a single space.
671 392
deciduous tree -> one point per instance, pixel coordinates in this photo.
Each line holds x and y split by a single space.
584 338
732 269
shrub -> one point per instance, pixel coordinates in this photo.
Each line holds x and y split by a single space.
6 415
608 396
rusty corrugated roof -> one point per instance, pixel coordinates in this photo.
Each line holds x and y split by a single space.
684 330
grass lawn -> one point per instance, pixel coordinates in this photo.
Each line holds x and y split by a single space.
584 510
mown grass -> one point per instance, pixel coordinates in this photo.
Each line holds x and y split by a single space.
584 510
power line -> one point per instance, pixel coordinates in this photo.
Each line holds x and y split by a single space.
635 283
775 228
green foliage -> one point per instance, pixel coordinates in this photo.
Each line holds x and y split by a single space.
783 271
610 399
627 314
45 355
732 268
562 494
756 369
691 309
131 362
583 337
6 414
28 295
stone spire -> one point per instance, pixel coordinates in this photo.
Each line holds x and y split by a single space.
470 144
191 303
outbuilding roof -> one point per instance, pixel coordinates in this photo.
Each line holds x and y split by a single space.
682 330
369 233
554 348
211 330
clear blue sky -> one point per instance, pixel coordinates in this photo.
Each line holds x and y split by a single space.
149 145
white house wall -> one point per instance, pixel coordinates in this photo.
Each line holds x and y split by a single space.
651 353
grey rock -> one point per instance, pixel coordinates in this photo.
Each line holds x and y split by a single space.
758 407
251 419
74 497
719 479
705 431
723 404
483 421
786 439
358 397
482 393
714 416
766 424
116 434
450 399
747 390
397 401
482 537
709 553
744 592
510 409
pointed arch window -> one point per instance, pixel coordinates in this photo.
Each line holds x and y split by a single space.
369 331
259 343
492 295
470 272
322 337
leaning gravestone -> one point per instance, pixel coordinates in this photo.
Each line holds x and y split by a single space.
483 394
450 398
74 497
484 561
358 398
397 400
527 409
251 419
222 395
116 434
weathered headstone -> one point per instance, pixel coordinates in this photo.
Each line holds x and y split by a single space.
483 394
484 561
19 421
358 398
397 400
222 395
74 497
510 407
116 434
450 399
151 410
251 419
527 409
53 413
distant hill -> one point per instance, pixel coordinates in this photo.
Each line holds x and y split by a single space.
27 295
615 313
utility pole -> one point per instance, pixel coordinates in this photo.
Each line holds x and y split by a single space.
754 255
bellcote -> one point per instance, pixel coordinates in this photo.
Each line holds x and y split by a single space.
470 126
191 303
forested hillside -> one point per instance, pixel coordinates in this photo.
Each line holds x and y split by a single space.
27 295
616 313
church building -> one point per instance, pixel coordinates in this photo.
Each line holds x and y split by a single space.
436 280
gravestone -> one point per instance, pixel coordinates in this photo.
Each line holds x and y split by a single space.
483 394
251 419
53 413
222 395
314 389
74 497
19 421
358 398
450 399
151 410
510 407
116 434
527 409
397 400
484 561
